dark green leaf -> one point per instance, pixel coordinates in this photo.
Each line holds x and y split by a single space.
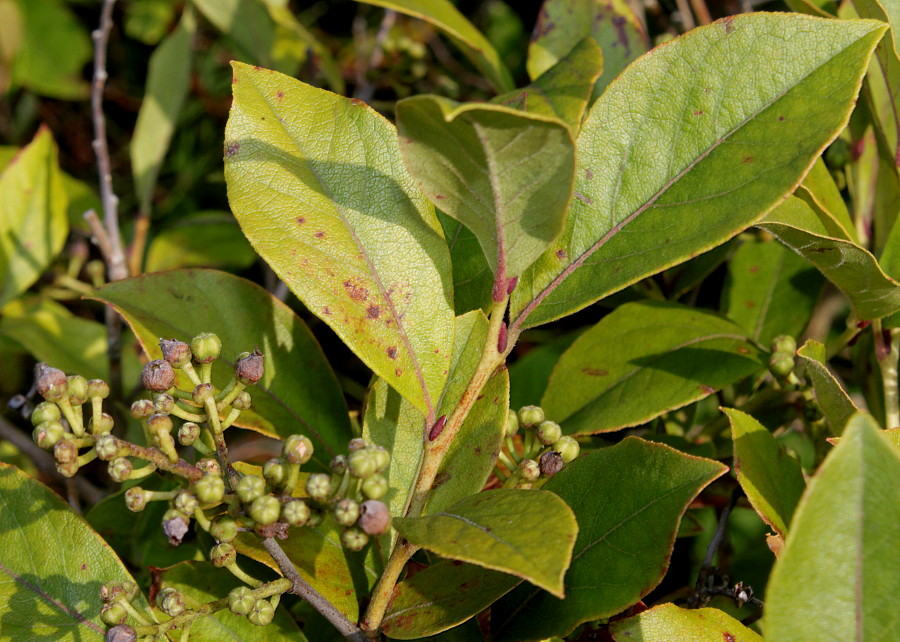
834 401
472 277
821 193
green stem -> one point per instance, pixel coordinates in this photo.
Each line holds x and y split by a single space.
133 612
233 414
229 394
87 457
206 373
888 365
189 370
507 461
182 413
511 447
242 576
96 413
66 281
202 519
140 473
75 422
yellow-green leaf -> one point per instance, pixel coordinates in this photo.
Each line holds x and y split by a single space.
668 622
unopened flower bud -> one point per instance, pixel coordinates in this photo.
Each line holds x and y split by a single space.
551 463
77 387
250 488
113 614
374 517
781 364
346 512
121 632
512 423
142 408
265 510
120 469
354 539
223 555
249 367
97 388
357 443
135 499
163 402
159 423
177 353
784 343
45 411
210 489
67 469
375 487
158 376
107 447
48 434
206 347
548 432
203 392
298 449
175 525
318 486
50 382
243 401
568 448
362 464
338 464
295 513
224 528
170 602
65 452
209 466
262 613
188 433
241 600
530 416
382 458
101 423
275 472
529 470
185 502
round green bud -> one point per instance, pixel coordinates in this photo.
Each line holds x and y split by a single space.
120 632
357 443
159 423
142 408
250 367
382 458
250 487
530 416
113 614
120 469
265 510
295 513
113 591
354 539
512 423
224 528
338 464
188 433
158 376
276 472
51 383
77 389
241 600
551 463
45 411
185 502
784 343
262 613
781 365
222 555
135 499
177 353
67 469
170 602
210 489
374 517
98 388
107 447
48 434
529 470
838 154
206 347
65 452
242 401
362 464
567 447
375 487
548 432
318 486
298 449
346 512
102 423
163 402
203 392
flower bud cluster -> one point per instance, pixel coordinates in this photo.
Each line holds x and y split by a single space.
781 363
534 450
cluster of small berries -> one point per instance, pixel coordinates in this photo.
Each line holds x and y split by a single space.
541 452
781 363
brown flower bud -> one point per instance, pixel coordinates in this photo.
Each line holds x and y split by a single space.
374 517
121 633
551 463
249 368
158 376
51 383
177 353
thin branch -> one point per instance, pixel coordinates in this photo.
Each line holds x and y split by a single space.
302 588
364 88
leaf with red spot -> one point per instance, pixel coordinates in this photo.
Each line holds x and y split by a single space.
668 622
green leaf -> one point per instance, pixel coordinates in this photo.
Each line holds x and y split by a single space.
503 173
149 20
821 193
446 17
201 582
843 543
848 266
206 239
530 373
823 8
298 393
564 90
440 597
834 401
320 559
624 541
771 479
669 169
33 225
668 622
527 533
245 22
318 186
770 291
472 277
667 356
52 564
168 77
612 24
